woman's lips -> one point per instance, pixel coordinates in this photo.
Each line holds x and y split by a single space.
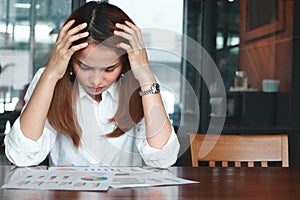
96 89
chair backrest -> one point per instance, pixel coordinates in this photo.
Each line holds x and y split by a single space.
239 149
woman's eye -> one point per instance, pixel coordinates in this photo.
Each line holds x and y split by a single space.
110 69
83 67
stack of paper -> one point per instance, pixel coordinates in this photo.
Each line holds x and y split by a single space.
93 178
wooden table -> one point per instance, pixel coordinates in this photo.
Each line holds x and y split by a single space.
215 183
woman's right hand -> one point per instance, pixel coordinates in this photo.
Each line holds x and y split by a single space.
62 50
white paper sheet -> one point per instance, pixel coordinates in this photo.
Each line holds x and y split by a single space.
134 176
94 178
62 180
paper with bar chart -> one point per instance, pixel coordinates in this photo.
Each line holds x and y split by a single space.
62 180
94 178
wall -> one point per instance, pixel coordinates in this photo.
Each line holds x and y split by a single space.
268 56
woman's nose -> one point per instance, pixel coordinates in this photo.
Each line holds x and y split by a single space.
96 77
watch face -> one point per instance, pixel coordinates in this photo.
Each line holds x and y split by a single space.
157 89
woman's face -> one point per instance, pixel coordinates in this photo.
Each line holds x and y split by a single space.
96 67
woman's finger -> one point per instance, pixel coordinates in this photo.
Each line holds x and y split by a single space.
124 27
128 30
77 28
75 48
124 46
124 35
74 38
70 50
63 31
72 32
134 44
136 29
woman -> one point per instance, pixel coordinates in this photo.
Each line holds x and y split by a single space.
96 101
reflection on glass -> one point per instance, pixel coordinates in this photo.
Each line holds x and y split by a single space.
227 40
25 42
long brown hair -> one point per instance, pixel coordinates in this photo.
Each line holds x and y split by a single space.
101 18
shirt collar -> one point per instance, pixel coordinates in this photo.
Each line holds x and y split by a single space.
112 91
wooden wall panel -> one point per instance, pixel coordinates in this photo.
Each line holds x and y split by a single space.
268 56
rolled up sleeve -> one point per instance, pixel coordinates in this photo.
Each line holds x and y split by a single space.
162 158
22 151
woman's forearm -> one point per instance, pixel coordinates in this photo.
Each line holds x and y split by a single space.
158 126
32 119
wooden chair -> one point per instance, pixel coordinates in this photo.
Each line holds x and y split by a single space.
239 149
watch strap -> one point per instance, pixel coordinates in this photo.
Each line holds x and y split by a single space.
152 90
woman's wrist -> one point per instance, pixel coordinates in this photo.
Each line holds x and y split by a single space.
50 76
144 76
146 86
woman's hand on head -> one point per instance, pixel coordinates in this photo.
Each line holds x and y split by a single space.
136 51
63 49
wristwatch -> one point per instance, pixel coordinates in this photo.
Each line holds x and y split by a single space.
154 89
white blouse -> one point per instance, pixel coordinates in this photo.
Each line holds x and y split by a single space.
130 149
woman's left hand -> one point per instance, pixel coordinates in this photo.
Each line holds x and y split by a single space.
135 49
